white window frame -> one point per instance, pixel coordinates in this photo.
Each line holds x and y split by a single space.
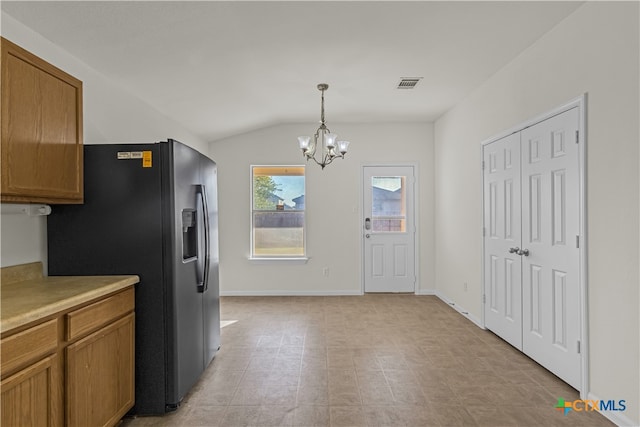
276 258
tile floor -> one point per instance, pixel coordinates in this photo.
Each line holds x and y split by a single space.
373 360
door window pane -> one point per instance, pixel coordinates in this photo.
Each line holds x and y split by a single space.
278 211
388 210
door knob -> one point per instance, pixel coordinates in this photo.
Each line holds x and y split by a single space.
514 250
367 235
524 252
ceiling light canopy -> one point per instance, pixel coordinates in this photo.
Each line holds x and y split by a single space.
330 147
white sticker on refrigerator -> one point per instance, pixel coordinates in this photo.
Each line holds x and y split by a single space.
126 155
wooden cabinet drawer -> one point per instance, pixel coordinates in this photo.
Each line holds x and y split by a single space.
91 317
24 347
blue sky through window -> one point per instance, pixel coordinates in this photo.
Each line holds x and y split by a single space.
291 187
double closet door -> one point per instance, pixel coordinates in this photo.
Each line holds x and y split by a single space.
531 255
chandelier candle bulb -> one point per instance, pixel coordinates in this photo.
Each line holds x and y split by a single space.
304 142
322 135
330 140
342 147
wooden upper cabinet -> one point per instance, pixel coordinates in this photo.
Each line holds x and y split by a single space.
41 145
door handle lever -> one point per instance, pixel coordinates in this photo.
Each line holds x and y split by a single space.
514 250
524 252
367 223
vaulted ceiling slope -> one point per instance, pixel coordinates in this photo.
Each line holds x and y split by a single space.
223 68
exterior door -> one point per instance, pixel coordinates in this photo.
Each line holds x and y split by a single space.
531 253
550 228
388 229
502 264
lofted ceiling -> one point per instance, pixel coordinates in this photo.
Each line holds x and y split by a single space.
223 68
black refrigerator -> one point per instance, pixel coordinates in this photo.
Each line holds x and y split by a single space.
150 210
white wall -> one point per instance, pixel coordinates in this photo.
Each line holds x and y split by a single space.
110 115
332 206
595 51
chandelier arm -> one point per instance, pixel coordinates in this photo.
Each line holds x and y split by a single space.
317 162
328 159
315 143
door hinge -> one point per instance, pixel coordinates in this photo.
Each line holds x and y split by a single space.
577 137
578 242
484 231
579 347
483 165
484 298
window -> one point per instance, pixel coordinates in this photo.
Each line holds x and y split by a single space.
277 212
388 212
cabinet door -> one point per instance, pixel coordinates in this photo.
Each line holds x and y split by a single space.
30 397
41 130
100 375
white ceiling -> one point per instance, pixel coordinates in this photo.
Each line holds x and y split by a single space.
223 68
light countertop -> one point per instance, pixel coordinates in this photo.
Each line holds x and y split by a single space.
25 301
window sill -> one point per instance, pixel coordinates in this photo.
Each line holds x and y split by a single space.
276 260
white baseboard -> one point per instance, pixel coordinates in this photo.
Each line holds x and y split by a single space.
460 309
272 293
618 418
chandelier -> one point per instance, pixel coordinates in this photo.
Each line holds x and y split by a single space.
330 148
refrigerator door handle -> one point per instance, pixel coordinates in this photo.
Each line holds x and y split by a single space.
203 277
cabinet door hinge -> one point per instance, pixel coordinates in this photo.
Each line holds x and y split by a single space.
578 242
579 349
577 137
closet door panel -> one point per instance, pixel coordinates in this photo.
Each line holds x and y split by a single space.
502 268
551 222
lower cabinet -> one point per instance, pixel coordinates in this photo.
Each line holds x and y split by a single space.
29 397
76 369
31 382
100 369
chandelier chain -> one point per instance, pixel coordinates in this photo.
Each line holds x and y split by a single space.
322 108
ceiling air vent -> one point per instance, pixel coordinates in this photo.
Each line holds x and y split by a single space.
408 82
